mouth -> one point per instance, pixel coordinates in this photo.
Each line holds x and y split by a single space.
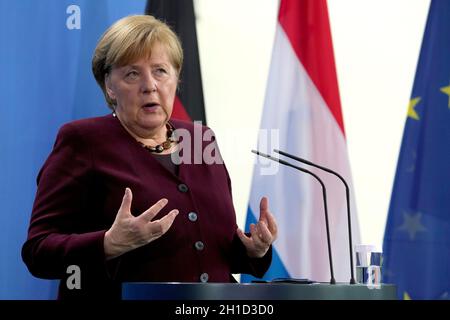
150 105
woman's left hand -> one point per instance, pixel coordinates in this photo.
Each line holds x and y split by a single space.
262 234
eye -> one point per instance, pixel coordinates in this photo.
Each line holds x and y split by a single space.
160 71
132 75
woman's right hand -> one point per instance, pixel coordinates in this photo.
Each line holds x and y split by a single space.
129 232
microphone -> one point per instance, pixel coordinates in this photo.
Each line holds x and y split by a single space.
324 193
347 194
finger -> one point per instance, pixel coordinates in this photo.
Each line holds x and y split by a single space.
272 224
256 235
125 206
265 234
263 208
245 240
151 212
159 227
253 229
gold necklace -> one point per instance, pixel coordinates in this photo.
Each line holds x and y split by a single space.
166 144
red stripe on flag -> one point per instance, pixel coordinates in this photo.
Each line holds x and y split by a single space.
306 24
179 112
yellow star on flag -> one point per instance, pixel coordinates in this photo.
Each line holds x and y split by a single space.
446 90
411 111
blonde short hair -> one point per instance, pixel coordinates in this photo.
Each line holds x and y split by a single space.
130 39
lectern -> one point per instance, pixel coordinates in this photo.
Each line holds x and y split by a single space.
255 291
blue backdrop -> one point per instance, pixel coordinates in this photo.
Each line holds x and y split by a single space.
45 81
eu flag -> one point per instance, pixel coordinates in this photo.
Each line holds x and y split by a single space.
417 235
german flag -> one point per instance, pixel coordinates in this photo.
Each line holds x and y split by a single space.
189 103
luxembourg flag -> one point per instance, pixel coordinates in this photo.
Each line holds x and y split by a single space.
302 116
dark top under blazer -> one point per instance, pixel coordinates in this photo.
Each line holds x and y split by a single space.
80 189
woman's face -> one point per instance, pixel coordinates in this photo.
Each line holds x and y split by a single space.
144 92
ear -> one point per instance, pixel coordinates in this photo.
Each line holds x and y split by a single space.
108 87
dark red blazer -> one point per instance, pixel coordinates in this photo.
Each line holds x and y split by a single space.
80 189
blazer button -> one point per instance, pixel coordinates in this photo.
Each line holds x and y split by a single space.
183 188
204 277
199 246
192 216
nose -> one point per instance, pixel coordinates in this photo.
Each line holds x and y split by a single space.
149 83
